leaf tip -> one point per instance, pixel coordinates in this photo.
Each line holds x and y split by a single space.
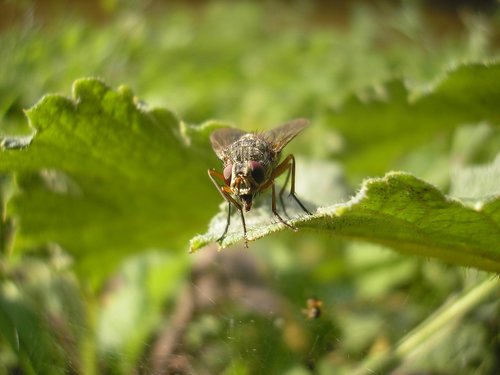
199 133
89 88
196 243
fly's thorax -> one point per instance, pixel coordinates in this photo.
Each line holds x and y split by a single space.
250 147
248 150
248 164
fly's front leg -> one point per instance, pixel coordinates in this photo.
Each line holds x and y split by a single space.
225 191
228 221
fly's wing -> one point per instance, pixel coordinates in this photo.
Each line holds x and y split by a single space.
222 138
280 136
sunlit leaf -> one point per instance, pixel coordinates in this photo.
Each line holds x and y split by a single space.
399 211
104 176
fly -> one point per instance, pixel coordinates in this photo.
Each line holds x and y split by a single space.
314 308
251 165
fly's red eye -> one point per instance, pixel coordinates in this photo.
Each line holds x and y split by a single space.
228 171
257 171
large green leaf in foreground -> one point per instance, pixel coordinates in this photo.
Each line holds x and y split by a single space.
400 211
104 176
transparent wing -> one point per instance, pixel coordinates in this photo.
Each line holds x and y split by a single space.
280 136
222 138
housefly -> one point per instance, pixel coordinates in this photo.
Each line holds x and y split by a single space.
251 165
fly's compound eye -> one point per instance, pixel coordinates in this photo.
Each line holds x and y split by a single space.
228 171
257 171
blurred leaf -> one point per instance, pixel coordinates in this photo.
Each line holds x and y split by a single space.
400 211
429 334
473 144
377 269
477 182
382 128
133 308
5 223
27 333
203 71
42 303
104 176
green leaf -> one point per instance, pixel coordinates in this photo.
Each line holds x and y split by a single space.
135 308
426 336
27 333
381 128
400 211
476 182
104 176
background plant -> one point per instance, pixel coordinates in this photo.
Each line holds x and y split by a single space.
98 210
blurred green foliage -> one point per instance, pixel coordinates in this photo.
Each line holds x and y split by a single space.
68 305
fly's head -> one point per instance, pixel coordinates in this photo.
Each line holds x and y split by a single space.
245 180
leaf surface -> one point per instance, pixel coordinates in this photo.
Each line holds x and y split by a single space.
104 176
400 211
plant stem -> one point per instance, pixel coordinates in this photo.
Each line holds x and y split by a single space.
448 314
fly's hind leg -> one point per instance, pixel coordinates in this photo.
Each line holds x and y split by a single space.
289 164
275 212
282 190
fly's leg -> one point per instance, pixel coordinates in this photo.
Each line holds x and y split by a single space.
282 190
227 223
286 165
225 191
290 160
275 212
